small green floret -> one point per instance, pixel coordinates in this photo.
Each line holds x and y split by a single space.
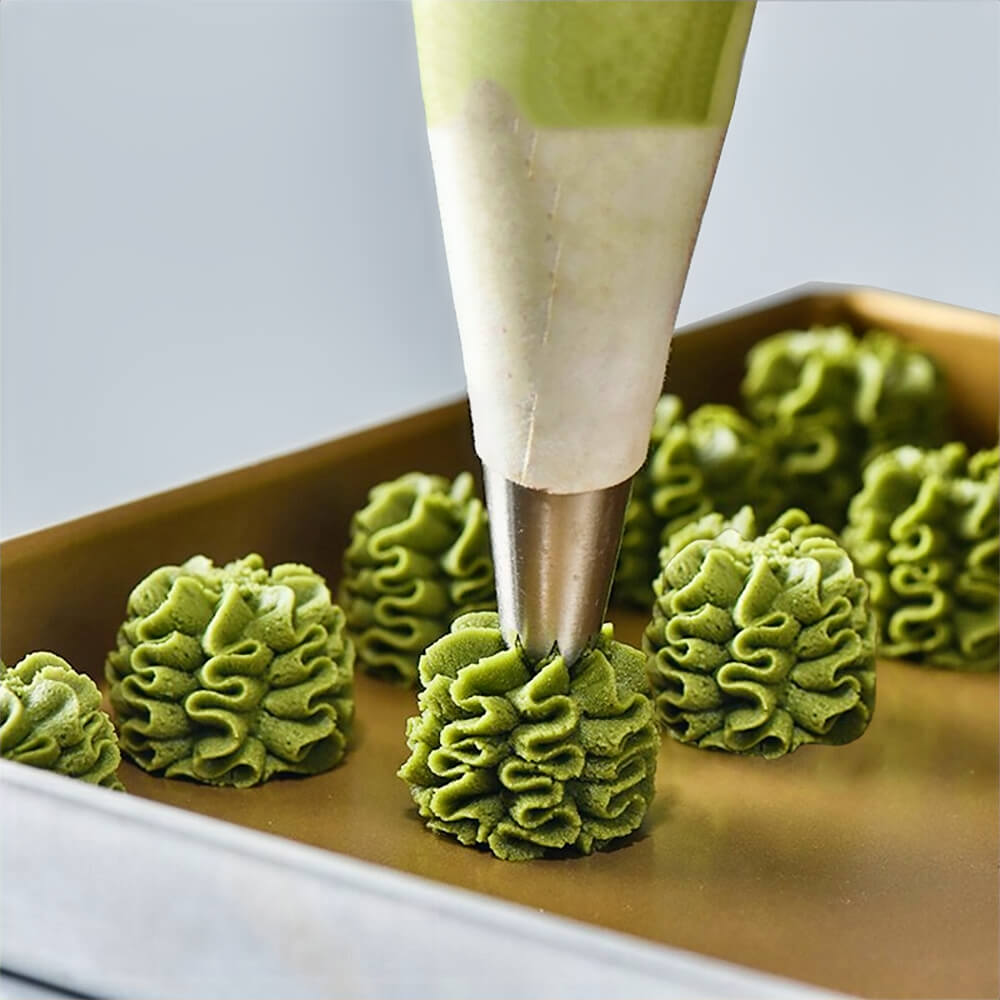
230 675
529 758
925 533
761 643
419 556
50 717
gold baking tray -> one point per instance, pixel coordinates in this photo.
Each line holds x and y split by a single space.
869 869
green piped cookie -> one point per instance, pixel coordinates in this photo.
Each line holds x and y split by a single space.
530 758
759 644
641 534
419 556
230 675
50 717
924 531
828 401
713 460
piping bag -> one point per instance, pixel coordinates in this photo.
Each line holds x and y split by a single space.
574 143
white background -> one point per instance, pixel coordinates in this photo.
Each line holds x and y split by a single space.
220 239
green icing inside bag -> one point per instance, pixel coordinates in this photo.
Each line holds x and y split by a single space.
715 460
759 644
50 717
601 63
924 531
829 401
419 556
230 675
528 758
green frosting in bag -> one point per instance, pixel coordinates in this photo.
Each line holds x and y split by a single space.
715 460
230 675
924 531
526 757
419 557
830 401
600 63
50 717
761 644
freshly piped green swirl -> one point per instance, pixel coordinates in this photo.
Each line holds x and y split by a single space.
924 531
829 401
230 675
761 644
419 557
715 460
528 758
50 717
903 396
604 62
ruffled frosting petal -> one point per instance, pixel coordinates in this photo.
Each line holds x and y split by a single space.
419 557
50 717
924 531
828 401
715 459
525 757
760 643
230 675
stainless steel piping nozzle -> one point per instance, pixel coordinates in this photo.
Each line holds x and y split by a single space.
554 556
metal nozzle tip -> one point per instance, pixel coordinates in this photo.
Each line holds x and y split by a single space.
554 556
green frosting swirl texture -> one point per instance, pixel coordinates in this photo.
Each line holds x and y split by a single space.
641 533
715 460
924 531
830 401
528 758
759 644
419 556
50 717
230 675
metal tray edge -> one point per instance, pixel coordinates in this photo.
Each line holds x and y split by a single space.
362 930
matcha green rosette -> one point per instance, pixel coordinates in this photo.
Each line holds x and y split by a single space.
419 556
829 401
759 644
50 717
637 555
904 397
924 532
230 675
734 461
714 460
641 533
530 758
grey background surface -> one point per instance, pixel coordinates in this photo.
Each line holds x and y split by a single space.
220 239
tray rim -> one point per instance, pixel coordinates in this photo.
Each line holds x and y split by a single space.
642 969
